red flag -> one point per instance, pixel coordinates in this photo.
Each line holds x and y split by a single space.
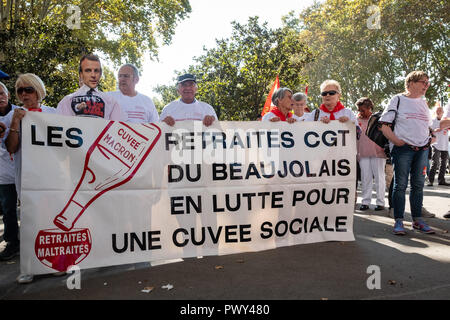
268 104
306 90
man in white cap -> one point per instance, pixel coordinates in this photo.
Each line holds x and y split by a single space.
137 108
187 107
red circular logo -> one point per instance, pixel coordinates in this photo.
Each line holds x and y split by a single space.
59 250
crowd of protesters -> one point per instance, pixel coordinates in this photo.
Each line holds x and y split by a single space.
417 135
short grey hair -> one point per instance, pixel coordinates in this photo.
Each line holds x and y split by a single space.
133 67
299 96
4 88
279 95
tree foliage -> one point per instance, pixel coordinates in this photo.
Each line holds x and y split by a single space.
373 60
235 76
42 36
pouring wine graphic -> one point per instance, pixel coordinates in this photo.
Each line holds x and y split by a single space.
121 150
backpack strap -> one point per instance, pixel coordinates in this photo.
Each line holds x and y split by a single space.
396 113
316 114
392 124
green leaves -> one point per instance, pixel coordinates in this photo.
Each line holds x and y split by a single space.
235 76
37 36
412 35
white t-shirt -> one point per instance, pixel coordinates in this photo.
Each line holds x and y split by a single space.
7 171
18 155
302 118
181 111
137 109
413 120
441 136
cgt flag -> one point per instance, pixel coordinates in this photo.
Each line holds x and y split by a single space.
268 104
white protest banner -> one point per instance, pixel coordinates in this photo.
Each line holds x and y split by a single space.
102 193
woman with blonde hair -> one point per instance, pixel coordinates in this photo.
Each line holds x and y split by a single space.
331 107
30 91
409 143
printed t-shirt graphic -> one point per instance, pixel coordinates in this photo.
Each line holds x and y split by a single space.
90 102
88 105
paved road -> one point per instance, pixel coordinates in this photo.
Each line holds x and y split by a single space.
415 266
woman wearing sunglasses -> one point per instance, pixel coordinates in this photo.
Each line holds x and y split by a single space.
331 107
30 91
409 141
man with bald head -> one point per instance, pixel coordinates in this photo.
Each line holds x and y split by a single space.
137 108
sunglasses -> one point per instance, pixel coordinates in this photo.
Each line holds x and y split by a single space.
26 89
331 93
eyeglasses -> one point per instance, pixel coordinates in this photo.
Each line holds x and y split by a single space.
425 82
26 89
331 93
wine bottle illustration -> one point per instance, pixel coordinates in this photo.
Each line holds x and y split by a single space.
111 161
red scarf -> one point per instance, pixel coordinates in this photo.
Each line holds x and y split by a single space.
280 114
35 109
337 108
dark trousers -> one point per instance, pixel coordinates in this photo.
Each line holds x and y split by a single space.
8 202
439 160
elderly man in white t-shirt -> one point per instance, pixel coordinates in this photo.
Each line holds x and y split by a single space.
187 107
137 108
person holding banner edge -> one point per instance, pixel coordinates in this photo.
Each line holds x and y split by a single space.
30 90
409 143
333 109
